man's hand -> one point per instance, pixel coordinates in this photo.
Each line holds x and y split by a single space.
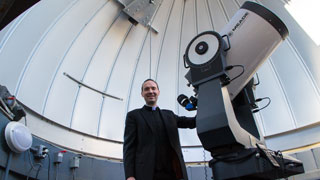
131 178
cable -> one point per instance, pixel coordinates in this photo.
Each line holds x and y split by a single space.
239 74
28 174
73 173
32 165
8 166
256 84
57 170
205 164
38 171
228 68
25 121
40 165
49 160
260 99
49 165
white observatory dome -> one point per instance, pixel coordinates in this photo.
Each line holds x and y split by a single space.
62 58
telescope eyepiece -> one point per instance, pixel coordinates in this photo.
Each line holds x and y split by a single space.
189 104
183 100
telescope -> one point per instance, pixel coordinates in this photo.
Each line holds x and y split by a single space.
221 66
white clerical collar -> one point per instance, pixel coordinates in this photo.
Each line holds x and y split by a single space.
152 107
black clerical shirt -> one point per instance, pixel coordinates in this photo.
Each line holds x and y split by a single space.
164 151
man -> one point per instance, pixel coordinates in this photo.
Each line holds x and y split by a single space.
151 148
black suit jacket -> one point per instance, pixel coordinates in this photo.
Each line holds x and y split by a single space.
139 143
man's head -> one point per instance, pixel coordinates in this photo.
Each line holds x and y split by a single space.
150 92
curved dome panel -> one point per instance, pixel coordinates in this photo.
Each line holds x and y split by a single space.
93 42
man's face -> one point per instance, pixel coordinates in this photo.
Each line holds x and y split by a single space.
150 93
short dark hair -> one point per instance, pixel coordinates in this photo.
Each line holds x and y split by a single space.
149 80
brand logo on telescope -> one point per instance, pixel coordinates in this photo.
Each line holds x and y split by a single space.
240 21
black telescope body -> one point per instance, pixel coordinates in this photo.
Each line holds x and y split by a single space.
221 69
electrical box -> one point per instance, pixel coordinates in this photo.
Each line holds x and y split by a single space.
75 162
